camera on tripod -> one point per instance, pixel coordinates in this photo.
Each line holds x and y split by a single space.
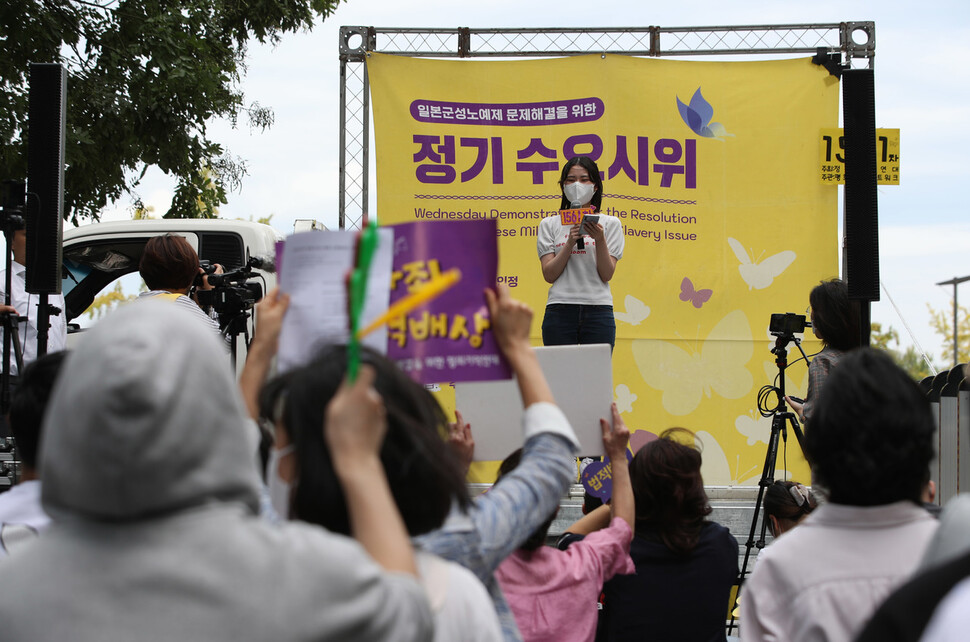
231 294
208 269
788 324
13 199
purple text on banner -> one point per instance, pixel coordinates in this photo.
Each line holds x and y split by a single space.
449 338
553 112
597 478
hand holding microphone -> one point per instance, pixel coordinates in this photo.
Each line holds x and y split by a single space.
580 245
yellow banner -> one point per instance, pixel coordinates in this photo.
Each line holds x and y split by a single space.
831 157
712 169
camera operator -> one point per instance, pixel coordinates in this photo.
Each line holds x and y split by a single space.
170 268
24 305
835 320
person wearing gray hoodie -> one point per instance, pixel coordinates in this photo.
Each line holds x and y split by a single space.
150 477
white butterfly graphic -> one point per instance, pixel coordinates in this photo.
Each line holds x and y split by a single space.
624 398
759 275
753 426
792 388
684 377
757 428
715 468
636 311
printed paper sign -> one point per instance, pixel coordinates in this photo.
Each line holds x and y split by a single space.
575 217
832 156
449 338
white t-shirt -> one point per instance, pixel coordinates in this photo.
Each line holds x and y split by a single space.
21 516
580 283
463 610
26 305
951 619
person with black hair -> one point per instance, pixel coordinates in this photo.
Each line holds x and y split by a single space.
786 504
685 564
499 521
21 515
423 473
835 320
553 593
870 443
426 477
23 309
150 475
579 307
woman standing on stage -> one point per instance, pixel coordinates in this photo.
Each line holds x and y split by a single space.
579 308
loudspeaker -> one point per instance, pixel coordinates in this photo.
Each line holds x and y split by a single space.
47 120
861 255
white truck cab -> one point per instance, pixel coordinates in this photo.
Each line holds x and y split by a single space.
97 255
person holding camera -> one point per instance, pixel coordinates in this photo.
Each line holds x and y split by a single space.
23 306
23 311
579 262
835 320
171 270
870 444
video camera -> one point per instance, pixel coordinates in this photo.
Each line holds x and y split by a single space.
208 269
13 199
232 294
10 467
788 324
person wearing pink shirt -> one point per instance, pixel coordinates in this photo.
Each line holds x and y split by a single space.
552 593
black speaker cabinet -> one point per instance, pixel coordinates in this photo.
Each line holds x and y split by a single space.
861 257
47 115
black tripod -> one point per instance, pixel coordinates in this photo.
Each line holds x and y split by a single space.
234 326
780 420
11 220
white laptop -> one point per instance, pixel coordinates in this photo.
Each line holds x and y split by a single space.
581 378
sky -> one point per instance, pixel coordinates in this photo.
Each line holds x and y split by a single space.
922 86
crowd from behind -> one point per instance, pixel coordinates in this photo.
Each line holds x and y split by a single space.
309 505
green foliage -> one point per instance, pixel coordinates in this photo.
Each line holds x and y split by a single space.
109 300
909 360
141 212
942 323
882 340
262 219
144 78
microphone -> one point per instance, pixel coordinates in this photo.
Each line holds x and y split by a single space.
262 263
575 205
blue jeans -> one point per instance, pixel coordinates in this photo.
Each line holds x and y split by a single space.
570 324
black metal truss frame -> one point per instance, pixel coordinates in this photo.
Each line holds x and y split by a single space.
845 44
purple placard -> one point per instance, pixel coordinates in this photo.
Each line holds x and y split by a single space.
553 112
597 478
449 338
280 247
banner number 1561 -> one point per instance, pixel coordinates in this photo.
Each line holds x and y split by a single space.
832 156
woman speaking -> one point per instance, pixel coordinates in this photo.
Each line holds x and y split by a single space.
579 262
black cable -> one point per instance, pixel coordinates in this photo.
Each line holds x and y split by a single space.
763 408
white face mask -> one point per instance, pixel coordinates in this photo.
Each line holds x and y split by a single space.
279 489
578 192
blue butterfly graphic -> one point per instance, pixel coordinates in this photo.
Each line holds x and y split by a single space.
698 116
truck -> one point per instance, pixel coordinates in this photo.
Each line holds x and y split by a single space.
96 256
